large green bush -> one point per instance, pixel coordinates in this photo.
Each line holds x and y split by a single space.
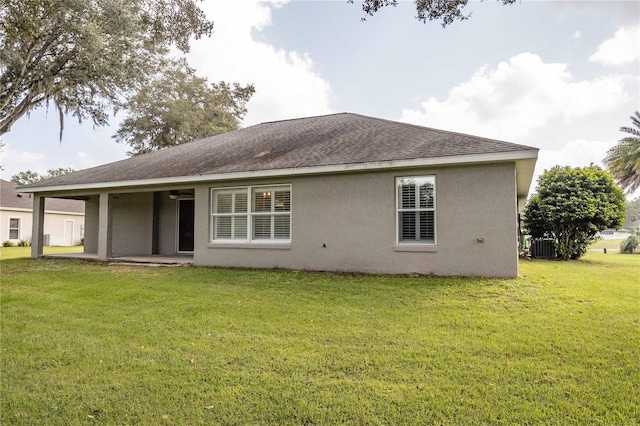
572 205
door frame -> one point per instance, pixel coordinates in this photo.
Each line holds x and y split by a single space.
178 201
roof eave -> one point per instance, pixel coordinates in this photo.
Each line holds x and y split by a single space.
523 157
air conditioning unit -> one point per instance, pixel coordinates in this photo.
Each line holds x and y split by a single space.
543 248
47 239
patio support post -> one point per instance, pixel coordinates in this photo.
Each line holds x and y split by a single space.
105 221
37 228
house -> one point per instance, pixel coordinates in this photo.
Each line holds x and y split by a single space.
63 219
340 192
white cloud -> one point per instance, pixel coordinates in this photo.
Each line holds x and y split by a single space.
287 83
518 99
576 153
531 102
14 161
84 161
623 48
577 35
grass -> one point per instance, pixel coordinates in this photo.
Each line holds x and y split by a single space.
613 258
87 343
610 245
21 252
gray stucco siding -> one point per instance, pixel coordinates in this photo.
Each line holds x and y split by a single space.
132 228
91 221
347 222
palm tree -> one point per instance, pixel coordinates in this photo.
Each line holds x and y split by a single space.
623 160
629 245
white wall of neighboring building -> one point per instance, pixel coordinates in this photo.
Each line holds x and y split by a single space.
64 229
618 234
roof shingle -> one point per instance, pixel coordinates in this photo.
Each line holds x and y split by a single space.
10 199
327 140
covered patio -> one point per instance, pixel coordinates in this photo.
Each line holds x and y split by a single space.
153 226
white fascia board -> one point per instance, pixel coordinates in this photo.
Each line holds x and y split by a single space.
62 213
20 209
15 209
337 168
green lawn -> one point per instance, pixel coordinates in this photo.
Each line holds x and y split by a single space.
87 343
17 252
610 245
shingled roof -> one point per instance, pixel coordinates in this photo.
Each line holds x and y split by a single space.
336 139
10 199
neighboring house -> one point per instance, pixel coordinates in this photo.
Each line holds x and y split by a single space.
63 219
340 192
614 234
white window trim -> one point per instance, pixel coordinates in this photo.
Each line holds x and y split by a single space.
416 245
249 241
18 228
233 215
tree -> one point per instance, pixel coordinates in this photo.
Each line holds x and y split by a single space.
628 246
633 211
623 160
27 177
84 55
177 107
428 10
2 144
571 206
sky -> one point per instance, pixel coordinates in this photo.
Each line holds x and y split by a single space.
562 76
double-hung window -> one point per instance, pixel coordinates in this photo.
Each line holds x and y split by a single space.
14 228
271 213
229 213
251 214
416 208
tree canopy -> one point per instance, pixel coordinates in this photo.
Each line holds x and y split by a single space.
446 11
85 55
27 177
623 160
177 107
572 205
633 211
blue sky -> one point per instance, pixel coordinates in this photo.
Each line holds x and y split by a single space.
562 76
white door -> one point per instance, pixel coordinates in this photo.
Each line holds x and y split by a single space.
68 232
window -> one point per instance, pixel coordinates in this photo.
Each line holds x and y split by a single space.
271 213
14 228
230 214
267 219
416 209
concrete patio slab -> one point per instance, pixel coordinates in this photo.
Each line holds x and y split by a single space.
156 260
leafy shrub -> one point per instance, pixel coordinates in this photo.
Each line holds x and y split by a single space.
7 244
571 206
629 245
23 243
